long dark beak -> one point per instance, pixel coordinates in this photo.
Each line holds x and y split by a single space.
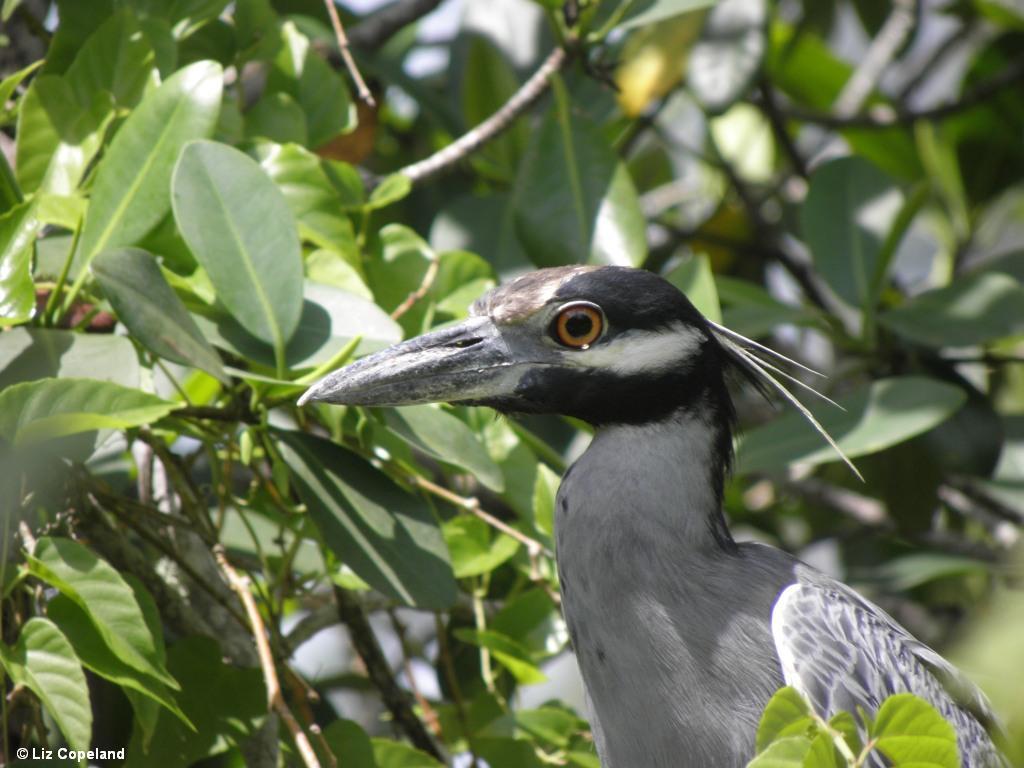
468 361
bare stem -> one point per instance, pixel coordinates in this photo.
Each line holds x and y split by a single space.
275 700
472 140
346 55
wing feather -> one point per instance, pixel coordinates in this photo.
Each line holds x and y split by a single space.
843 652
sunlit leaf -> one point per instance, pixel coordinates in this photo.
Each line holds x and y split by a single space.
910 732
241 231
887 412
45 409
44 662
18 226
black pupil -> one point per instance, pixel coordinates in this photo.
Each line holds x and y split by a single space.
579 325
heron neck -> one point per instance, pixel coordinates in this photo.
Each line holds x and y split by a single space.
660 479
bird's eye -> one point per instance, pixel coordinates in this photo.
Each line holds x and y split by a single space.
577 325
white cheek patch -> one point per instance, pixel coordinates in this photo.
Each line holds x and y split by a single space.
635 352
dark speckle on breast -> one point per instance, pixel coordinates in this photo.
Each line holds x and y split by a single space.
600 654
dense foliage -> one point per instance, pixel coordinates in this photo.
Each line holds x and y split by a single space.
200 216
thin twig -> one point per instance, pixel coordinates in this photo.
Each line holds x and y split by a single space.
275 700
472 140
377 28
778 123
424 286
377 669
883 49
430 716
473 507
877 118
346 55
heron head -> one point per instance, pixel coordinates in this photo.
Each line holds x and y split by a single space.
603 344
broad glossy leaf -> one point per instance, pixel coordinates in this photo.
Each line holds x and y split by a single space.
886 413
443 436
788 752
488 81
44 662
27 354
787 713
315 202
117 58
238 225
849 210
17 292
57 137
729 53
481 225
277 117
226 704
40 410
694 278
643 12
300 72
752 311
109 602
510 654
390 190
397 754
131 193
145 303
94 653
971 310
575 201
330 319
533 620
909 731
10 192
473 549
350 744
388 537
12 81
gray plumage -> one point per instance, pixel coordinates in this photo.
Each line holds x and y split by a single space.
682 635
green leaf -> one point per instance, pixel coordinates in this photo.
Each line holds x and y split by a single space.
109 602
398 754
694 278
545 490
533 620
473 551
907 572
331 318
849 210
443 436
40 410
277 117
510 654
752 311
116 59
226 703
575 201
644 12
728 55
391 189
886 413
18 228
389 538
488 81
911 733
790 752
298 71
97 656
316 203
787 713
972 310
350 744
131 193
44 662
11 82
27 354
238 225
145 303
56 137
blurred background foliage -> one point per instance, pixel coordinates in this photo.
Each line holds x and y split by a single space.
200 215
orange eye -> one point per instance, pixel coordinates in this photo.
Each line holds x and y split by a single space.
578 325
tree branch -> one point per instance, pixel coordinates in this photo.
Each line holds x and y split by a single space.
379 671
346 54
275 699
472 140
887 117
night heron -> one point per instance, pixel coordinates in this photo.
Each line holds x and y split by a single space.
682 634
